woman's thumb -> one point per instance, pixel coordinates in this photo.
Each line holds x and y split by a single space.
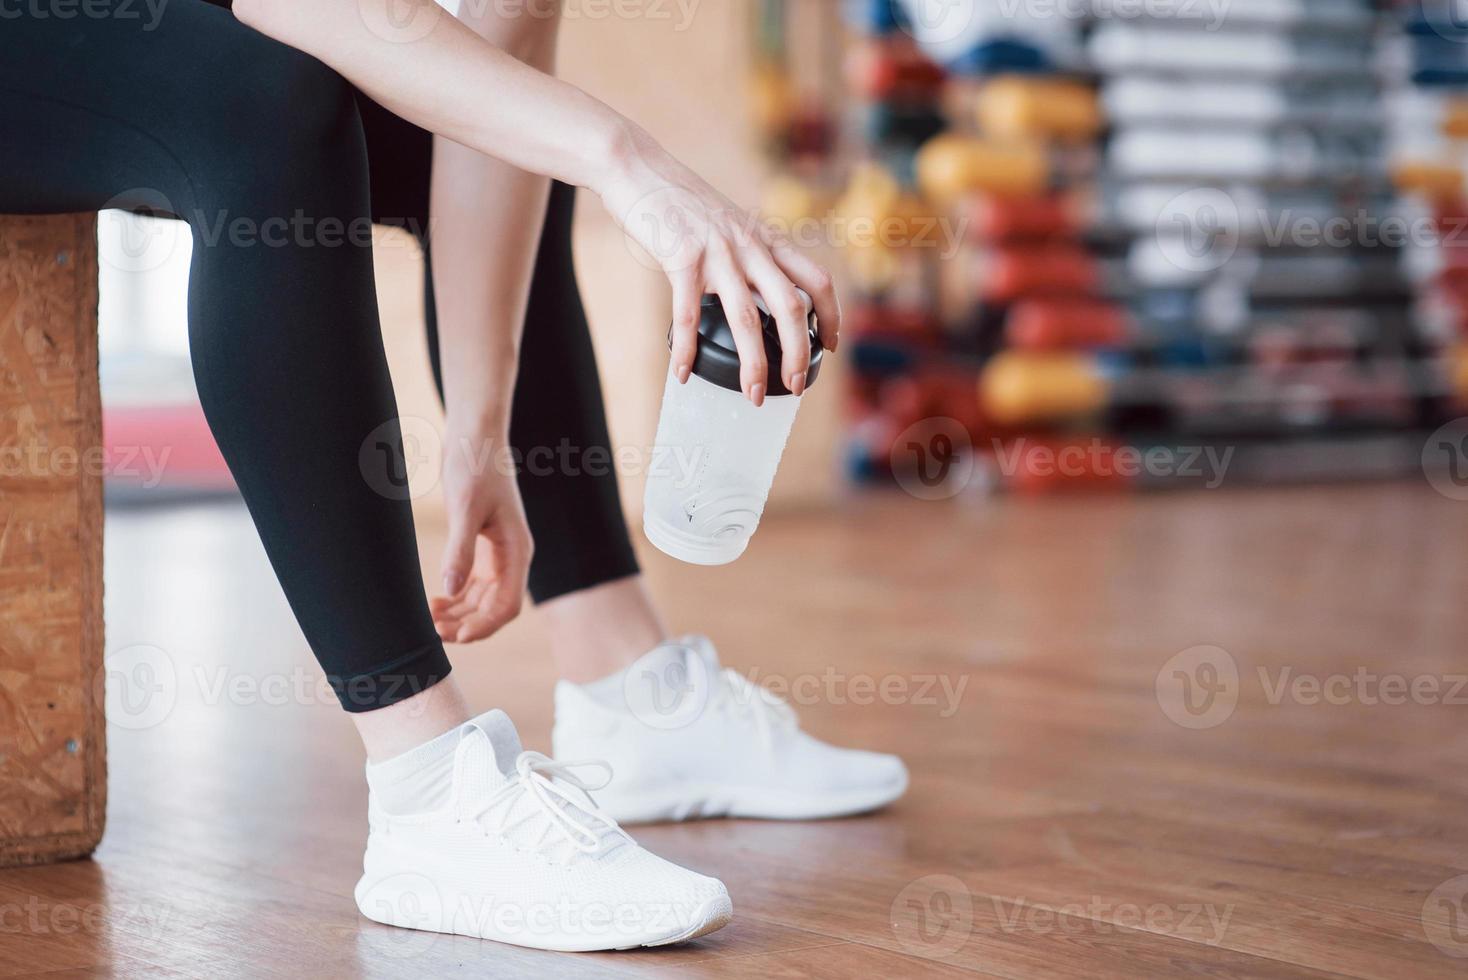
458 557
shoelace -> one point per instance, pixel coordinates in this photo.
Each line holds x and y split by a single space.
535 774
767 710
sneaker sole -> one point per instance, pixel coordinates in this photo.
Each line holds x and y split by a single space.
399 900
687 802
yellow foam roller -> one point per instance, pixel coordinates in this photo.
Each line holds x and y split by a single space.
951 166
876 207
770 97
873 269
1046 108
1435 180
787 200
1018 387
872 193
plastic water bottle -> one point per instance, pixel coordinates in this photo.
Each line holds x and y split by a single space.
716 454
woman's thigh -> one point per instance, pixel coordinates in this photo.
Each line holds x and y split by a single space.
119 106
260 148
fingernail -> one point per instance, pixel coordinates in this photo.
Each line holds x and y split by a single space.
834 341
452 583
683 373
757 394
797 384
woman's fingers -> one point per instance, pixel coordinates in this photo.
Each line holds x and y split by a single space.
810 276
788 307
507 568
728 280
687 297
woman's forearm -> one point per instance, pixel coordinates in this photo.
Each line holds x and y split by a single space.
486 221
426 66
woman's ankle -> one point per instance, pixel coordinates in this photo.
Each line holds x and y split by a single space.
398 728
598 631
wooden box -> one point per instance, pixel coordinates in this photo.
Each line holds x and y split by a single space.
53 785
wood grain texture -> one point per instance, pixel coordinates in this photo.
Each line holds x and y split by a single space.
1060 823
53 787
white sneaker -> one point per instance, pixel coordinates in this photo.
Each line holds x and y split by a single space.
686 739
522 855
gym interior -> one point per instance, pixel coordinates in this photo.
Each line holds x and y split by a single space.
1129 513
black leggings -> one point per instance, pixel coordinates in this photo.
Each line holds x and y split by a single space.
266 152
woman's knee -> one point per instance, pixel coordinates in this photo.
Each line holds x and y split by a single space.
287 135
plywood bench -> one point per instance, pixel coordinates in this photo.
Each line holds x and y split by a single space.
53 785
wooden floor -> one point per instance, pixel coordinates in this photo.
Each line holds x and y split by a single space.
1075 811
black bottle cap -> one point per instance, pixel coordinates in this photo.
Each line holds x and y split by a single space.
717 360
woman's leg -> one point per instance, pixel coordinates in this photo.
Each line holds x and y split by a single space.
261 150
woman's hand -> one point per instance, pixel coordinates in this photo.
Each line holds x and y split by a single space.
487 559
705 243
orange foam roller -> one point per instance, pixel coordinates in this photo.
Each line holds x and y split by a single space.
1019 386
951 166
1455 119
1045 108
1057 324
1014 273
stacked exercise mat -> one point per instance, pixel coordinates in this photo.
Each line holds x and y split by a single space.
1164 232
